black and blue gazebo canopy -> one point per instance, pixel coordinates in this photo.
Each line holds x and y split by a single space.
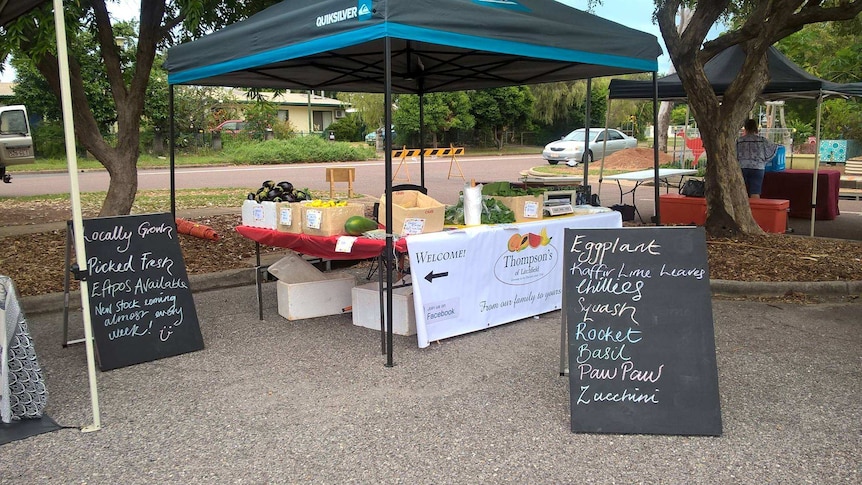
440 45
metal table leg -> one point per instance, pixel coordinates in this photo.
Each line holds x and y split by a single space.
257 280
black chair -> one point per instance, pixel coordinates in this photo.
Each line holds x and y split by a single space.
375 211
396 188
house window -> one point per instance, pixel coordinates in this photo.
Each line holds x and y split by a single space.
321 119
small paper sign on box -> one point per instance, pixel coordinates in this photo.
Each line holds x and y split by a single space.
289 216
526 207
413 213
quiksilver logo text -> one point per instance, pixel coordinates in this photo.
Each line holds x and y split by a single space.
337 16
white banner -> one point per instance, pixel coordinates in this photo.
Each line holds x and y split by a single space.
483 276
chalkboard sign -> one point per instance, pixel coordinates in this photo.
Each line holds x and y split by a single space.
641 344
141 306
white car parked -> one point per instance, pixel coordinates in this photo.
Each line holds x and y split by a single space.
570 149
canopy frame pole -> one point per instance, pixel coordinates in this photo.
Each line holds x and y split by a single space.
604 143
586 156
172 157
389 248
421 134
816 163
77 218
656 182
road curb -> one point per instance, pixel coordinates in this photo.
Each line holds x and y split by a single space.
54 302
782 288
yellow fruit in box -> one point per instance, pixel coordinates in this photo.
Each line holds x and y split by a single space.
327 203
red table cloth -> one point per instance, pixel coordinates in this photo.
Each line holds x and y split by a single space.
319 246
795 185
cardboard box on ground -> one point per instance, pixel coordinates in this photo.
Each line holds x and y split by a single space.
412 213
306 292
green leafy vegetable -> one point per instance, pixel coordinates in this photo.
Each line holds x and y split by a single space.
493 212
505 189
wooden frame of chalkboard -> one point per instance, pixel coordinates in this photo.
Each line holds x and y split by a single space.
141 306
641 343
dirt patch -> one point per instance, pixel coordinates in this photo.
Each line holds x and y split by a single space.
634 159
36 262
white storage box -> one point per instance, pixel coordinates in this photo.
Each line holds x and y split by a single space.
306 292
366 308
259 214
330 296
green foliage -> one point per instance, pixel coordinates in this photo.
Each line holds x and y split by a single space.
501 109
493 212
800 130
260 116
505 189
442 112
368 106
156 113
296 150
283 130
574 116
842 120
829 50
679 115
48 140
349 128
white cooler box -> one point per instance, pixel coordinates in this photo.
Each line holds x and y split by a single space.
366 309
306 292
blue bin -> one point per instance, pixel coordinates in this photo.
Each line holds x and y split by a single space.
777 162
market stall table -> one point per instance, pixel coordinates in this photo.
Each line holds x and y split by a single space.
642 176
795 185
461 269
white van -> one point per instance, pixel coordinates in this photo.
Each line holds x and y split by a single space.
16 144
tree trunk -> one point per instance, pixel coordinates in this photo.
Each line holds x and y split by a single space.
728 211
121 162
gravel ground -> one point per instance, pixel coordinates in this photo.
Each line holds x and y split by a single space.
310 401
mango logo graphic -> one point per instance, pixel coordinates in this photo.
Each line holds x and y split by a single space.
519 242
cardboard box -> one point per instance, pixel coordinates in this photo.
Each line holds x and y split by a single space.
259 214
306 292
288 217
413 213
328 221
527 208
366 309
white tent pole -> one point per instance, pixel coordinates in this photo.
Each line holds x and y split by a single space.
816 162
605 143
75 196
586 156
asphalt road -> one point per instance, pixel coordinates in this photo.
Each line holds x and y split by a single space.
370 177
310 401
370 180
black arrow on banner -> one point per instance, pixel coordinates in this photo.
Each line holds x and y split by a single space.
431 275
